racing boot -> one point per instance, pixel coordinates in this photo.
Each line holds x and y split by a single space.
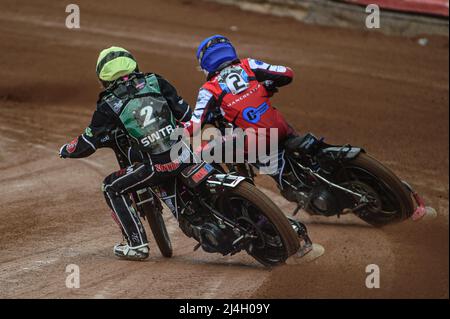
124 251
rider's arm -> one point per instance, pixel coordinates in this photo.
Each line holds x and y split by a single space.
279 75
88 142
203 107
180 108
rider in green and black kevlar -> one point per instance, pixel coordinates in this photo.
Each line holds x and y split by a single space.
148 108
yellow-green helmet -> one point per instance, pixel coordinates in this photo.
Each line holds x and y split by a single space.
114 63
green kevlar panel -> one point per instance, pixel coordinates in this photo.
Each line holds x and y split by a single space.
150 121
152 85
144 113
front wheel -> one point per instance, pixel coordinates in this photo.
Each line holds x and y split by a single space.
153 212
390 199
274 238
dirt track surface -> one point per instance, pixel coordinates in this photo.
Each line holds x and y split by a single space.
387 94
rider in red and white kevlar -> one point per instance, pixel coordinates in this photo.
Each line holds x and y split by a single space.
240 89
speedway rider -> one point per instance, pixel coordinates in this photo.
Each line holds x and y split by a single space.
148 108
239 89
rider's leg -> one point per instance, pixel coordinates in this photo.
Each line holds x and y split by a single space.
116 188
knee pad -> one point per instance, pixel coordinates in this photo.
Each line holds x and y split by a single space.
106 188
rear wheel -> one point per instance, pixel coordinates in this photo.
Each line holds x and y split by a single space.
153 213
390 200
274 238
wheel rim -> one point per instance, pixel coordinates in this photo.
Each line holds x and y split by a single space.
385 205
267 246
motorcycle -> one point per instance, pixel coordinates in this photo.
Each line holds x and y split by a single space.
333 180
224 213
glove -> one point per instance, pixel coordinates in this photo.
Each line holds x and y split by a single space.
270 87
61 150
211 117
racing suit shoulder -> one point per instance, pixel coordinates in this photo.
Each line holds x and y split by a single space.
279 75
211 87
179 107
109 103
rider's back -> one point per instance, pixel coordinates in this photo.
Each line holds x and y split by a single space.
241 93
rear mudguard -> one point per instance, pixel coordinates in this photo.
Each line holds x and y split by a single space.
346 152
226 180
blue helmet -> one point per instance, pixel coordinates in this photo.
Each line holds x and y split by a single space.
214 51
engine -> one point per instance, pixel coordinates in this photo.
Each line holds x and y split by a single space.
324 202
214 238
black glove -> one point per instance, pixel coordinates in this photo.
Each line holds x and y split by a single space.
62 151
270 87
211 118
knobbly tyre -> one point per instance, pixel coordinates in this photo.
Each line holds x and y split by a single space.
332 180
224 213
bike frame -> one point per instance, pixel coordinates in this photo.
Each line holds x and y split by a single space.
222 181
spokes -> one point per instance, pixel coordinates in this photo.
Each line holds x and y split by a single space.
378 197
266 242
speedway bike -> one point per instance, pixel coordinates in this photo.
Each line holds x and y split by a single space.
224 213
333 180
